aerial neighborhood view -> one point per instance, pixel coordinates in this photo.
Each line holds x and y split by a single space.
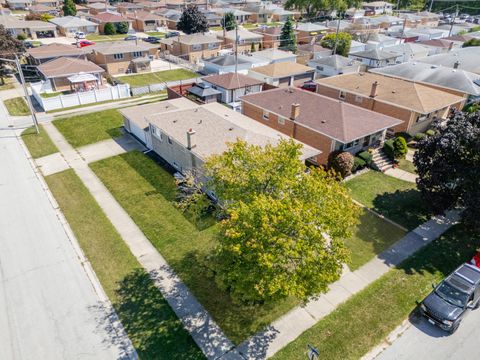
239 179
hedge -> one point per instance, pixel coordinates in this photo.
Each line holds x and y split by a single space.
366 157
389 148
358 164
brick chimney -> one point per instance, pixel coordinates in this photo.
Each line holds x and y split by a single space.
456 64
295 111
373 91
191 139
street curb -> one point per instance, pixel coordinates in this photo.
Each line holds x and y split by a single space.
115 322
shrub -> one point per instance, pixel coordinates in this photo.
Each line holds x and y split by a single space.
366 157
109 29
22 37
389 149
121 27
430 132
405 135
419 136
358 164
342 163
400 147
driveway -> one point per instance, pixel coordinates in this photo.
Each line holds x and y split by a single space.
425 341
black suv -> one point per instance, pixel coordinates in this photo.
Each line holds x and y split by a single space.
450 300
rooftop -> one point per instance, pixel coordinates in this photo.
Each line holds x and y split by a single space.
336 61
375 54
71 21
274 54
226 60
193 39
282 69
66 66
54 50
144 15
406 94
465 58
336 119
105 17
242 34
231 81
117 47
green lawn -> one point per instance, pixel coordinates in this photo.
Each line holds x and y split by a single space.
98 37
407 166
150 323
368 317
396 199
38 144
7 85
17 106
90 128
157 77
147 191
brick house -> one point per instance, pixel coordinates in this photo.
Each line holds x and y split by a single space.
194 47
146 21
271 36
47 52
417 105
245 40
106 17
321 122
283 74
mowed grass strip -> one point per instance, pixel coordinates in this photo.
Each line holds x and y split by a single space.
17 106
90 128
152 326
157 77
39 144
395 199
367 318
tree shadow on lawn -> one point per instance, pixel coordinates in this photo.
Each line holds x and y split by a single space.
149 321
406 208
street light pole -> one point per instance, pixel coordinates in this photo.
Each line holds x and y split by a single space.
22 81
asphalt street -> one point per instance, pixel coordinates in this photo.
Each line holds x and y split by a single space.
425 341
48 306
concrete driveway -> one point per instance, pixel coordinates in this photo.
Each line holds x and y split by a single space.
425 341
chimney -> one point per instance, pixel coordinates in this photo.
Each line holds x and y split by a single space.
450 46
191 139
456 64
373 92
295 112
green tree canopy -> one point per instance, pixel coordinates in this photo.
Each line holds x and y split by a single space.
284 229
109 29
471 42
315 7
69 8
344 40
192 21
121 27
9 46
288 39
228 21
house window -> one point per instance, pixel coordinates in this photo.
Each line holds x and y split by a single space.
281 120
266 115
169 139
421 118
342 95
358 99
213 46
137 54
118 56
196 47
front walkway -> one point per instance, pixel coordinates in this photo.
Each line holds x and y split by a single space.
203 329
401 174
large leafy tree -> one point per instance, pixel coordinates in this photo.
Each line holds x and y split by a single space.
448 166
315 7
9 46
192 21
109 29
288 39
284 227
228 21
69 8
121 27
343 40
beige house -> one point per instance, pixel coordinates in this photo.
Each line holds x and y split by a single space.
282 74
194 47
123 57
146 21
245 40
47 52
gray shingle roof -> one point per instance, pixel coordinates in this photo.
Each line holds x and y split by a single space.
71 21
467 59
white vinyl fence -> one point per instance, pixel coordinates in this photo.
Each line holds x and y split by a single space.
80 98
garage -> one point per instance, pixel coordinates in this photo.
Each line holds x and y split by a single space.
139 129
45 34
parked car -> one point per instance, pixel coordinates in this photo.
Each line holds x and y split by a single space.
451 300
80 35
130 37
476 260
172 34
152 39
28 44
83 43
309 86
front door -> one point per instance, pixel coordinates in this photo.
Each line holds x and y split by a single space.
366 141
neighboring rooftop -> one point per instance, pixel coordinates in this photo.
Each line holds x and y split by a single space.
117 47
336 119
105 17
193 39
66 66
375 54
232 81
244 35
336 62
281 69
310 27
464 59
407 94
54 50
71 21
226 60
273 54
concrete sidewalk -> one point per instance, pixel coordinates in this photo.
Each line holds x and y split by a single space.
290 326
401 174
203 329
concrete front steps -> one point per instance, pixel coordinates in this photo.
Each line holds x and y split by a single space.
381 161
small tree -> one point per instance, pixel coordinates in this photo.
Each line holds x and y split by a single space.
342 163
46 17
69 8
192 21
471 42
288 40
228 21
343 40
400 147
109 29
9 46
121 27
21 37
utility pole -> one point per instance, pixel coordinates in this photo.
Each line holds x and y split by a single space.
236 47
430 7
403 29
336 37
453 21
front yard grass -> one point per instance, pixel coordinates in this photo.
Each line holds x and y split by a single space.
147 192
98 37
90 128
368 317
406 165
17 106
151 324
157 77
38 144
396 199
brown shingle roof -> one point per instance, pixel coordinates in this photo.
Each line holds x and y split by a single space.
144 15
54 50
108 17
403 93
231 81
64 66
336 119
281 69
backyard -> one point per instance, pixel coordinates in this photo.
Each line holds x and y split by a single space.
396 199
38 144
147 192
17 106
157 77
150 323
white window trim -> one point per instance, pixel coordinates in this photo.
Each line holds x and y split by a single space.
265 115
342 95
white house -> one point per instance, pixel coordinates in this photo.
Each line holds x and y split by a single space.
334 65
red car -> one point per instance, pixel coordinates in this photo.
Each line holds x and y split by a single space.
83 43
476 260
